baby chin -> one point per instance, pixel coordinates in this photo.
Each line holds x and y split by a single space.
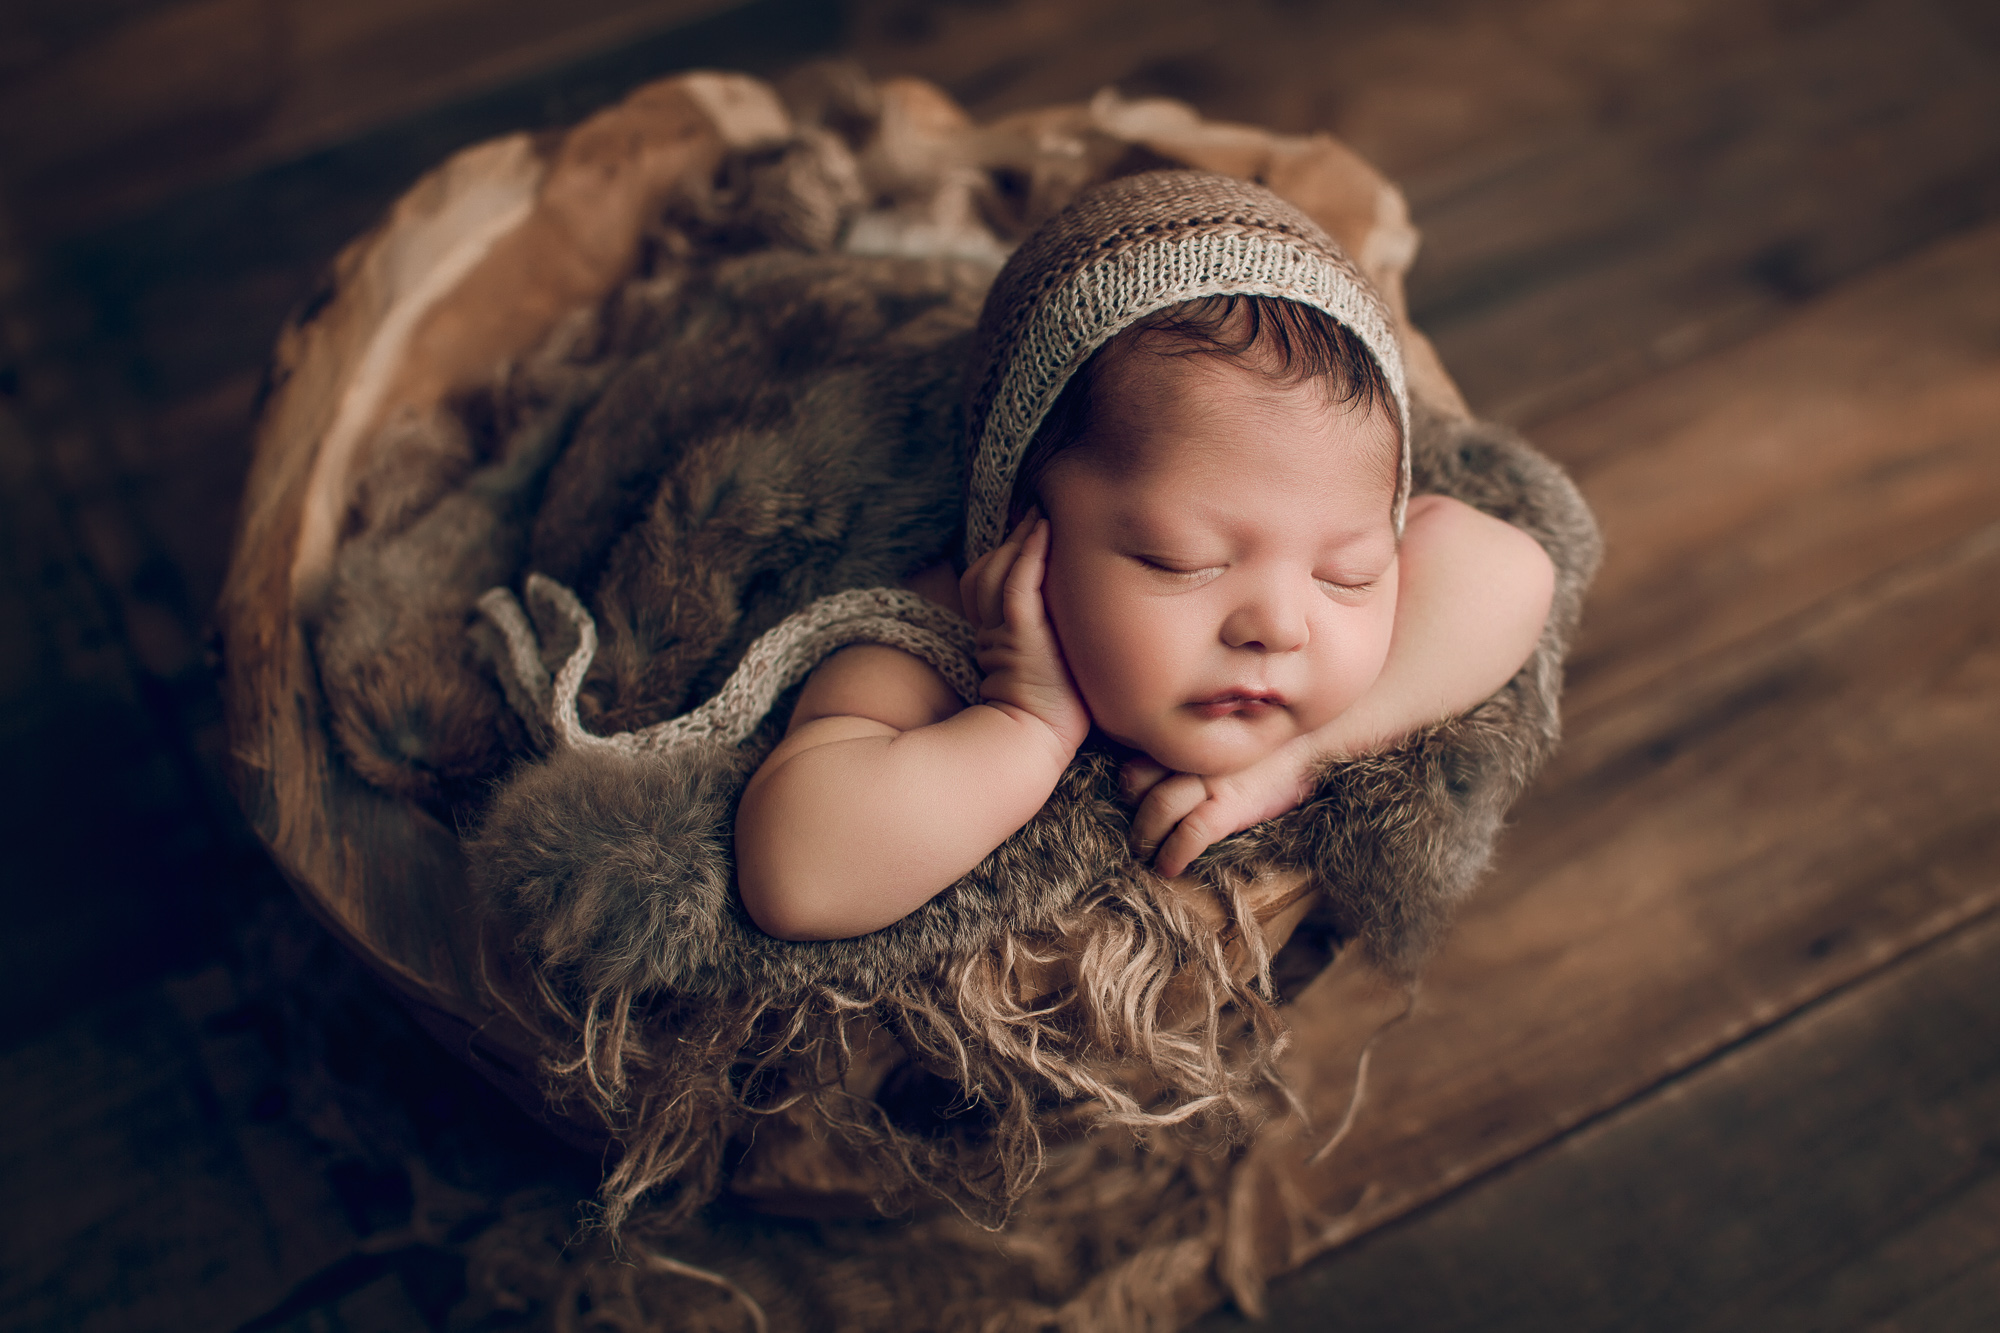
1221 735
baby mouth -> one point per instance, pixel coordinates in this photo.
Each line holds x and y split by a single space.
1250 703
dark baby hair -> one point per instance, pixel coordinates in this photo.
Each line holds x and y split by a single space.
1309 345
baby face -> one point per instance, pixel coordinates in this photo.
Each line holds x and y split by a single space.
1222 567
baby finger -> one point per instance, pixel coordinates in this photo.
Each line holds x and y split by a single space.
1190 838
979 590
1165 806
1022 591
983 588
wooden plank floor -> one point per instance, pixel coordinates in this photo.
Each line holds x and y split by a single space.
1840 1173
107 107
1714 1048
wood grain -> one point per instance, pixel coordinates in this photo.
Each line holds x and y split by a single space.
1409 87
1741 490
149 1197
1700 208
1837 1175
180 93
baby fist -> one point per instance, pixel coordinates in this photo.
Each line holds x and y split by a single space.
1180 815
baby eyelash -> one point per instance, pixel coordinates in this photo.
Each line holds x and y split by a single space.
1178 573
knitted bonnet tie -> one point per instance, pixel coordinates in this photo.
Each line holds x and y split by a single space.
547 647
1119 253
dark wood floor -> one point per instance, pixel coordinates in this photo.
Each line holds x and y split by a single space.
1716 1049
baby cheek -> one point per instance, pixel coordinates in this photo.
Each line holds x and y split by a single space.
1078 624
1113 650
1358 648
1117 651
1372 648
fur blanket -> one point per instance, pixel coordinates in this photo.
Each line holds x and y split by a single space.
757 419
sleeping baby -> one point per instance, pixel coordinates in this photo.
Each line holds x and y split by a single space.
1188 529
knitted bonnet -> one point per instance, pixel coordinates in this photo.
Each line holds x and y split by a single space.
1119 253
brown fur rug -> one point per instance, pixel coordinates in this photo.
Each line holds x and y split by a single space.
754 420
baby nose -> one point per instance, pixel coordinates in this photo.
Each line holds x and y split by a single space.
1271 622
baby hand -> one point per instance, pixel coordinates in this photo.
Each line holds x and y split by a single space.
1016 647
1181 814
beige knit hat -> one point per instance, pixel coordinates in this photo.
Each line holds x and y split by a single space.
1117 254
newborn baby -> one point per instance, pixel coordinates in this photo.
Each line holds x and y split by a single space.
1213 561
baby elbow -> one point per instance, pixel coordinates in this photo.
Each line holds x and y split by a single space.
773 873
779 909
1536 578
1524 594
784 925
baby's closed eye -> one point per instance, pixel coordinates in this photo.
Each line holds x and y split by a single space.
1346 587
1171 570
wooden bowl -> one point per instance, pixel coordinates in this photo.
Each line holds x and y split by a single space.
471 269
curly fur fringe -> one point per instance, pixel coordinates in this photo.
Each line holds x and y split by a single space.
1053 984
1109 1001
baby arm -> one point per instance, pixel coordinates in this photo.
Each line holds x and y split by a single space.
1473 595
885 790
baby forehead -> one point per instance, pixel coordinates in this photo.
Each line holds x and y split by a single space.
1147 373
1261 492
1150 411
